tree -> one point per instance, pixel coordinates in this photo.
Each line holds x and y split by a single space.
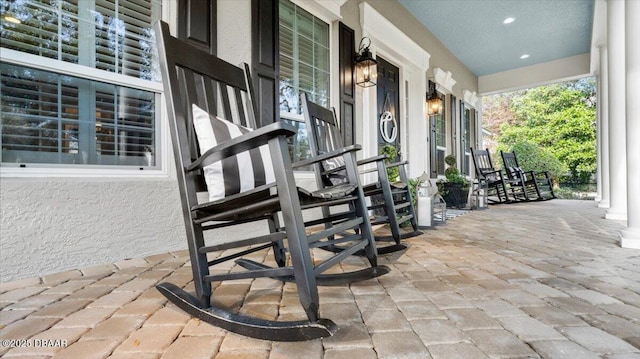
560 119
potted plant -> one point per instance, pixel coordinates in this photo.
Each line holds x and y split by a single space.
455 188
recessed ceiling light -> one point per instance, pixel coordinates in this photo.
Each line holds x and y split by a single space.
12 19
509 20
525 56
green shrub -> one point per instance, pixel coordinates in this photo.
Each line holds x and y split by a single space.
392 172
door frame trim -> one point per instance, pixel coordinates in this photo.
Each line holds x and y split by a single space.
397 48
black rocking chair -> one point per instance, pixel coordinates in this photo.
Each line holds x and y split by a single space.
249 178
500 188
538 185
325 137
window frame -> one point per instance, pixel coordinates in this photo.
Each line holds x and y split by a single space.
314 8
159 170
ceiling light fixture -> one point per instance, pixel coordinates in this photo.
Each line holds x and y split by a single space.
509 20
525 56
12 19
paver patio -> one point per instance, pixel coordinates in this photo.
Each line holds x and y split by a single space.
526 280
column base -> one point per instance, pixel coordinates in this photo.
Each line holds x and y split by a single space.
604 204
598 198
616 214
630 238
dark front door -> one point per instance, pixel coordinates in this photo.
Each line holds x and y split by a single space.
388 121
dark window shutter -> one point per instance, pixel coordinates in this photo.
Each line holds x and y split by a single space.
347 85
197 23
264 55
433 147
455 136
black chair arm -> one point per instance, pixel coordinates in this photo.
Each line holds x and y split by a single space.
372 159
485 173
242 143
326 156
397 164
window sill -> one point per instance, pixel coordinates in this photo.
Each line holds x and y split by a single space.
61 172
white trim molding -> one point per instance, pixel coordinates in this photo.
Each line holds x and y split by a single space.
470 97
391 39
328 10
444 80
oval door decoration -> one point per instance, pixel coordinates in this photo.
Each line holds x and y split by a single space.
385 118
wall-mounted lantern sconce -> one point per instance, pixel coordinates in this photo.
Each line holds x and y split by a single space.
433 101
366 65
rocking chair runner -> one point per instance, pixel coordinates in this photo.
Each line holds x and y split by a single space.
537 184
325 136
249 176
498 186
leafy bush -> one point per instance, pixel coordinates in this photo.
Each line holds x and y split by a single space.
392 172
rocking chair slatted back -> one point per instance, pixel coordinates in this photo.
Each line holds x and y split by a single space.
226 94
511 166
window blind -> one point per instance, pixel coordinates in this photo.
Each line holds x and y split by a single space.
304 57
304 66
54 118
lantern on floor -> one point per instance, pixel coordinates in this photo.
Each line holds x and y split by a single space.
366 66
479 194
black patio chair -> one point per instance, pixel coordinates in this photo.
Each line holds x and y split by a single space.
324 137
249 179
498 186
538 185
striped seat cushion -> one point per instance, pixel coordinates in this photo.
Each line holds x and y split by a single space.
236 174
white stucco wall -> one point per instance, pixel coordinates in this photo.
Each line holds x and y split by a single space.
234 31
51 225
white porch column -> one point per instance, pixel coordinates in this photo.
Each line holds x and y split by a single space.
598 138
630 237
617 138
603 111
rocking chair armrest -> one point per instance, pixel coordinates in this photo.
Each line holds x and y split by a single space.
326 156
249 140
397 164
544 174
496 172
378 158
372 159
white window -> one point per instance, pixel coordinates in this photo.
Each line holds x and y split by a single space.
304 67
80 83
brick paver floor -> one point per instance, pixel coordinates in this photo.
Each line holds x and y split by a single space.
526 280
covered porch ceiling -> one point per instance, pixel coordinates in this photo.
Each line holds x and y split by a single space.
512 44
